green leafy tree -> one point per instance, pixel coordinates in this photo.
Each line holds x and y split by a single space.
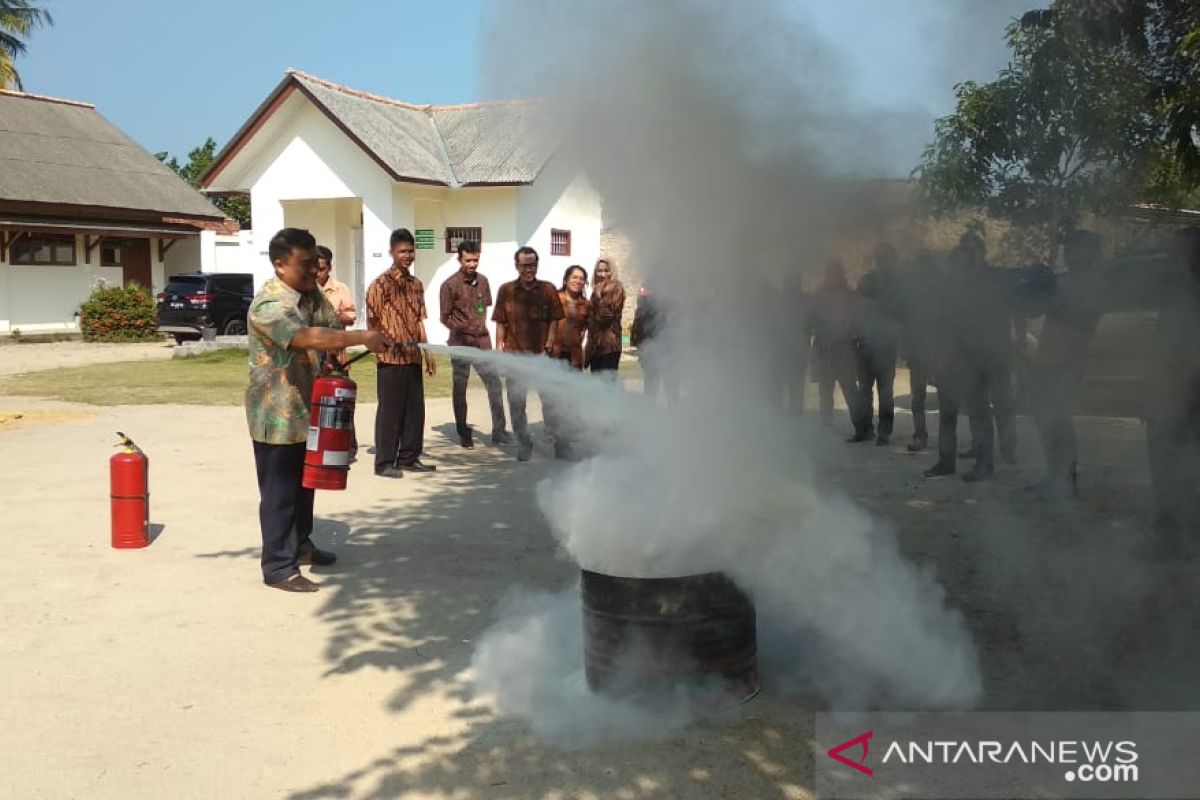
1166 34
1064 129
200 159
18 18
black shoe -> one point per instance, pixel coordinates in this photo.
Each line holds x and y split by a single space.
979 473
918 444
390 472
939 470
467 439
417 466
313 556
882 440
861 436
525 452
970 452
295 583
503 437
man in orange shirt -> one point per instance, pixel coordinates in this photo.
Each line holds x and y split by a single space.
527 317
396 306
337 293
339 296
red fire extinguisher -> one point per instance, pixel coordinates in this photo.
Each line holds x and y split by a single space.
330 430
129 472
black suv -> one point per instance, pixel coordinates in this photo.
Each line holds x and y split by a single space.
198 300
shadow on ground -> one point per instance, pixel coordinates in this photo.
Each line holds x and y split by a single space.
1065 615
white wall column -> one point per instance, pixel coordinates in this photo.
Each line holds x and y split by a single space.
5 297
268 219
377 225
158 271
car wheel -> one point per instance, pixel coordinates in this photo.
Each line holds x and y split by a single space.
235 327
180 338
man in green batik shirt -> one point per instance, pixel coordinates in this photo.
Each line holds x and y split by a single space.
290 324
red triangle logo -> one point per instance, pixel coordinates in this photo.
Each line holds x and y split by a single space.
862 739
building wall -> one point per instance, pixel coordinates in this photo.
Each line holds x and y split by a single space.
211 252
303 171
493 209
308 159
563 199
45 299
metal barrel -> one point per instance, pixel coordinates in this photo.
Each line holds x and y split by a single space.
647 636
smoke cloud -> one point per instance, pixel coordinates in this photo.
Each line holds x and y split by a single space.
719 137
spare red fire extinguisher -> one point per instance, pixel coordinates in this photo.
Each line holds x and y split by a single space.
129 472
330 431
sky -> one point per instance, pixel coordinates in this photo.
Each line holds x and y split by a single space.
171 73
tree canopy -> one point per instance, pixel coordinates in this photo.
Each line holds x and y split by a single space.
1098 108
199 160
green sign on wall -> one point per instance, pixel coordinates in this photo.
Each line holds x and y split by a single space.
425 238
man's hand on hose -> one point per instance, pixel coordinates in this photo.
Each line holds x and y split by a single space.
377 341
430 364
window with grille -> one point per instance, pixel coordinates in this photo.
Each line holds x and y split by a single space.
560 242
49 250
456 236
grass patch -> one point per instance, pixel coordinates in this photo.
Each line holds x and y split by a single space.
212 379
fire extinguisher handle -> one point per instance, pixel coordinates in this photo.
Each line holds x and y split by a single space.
126 442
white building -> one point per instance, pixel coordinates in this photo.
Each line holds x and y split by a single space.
80 201
351 167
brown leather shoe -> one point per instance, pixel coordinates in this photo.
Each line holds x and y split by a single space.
315 557
296 583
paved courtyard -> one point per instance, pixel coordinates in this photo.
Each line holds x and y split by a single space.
171 671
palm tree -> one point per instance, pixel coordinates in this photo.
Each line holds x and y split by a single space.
17 19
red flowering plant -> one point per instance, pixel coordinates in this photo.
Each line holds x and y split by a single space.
119 314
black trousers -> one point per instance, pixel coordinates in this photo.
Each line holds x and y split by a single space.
999 409
285 508
973 384
877 371
607 364
918 378
461 369
400 420
835 364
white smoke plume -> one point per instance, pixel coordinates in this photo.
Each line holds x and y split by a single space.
717 137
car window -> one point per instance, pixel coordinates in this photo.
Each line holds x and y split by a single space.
237 284
182 284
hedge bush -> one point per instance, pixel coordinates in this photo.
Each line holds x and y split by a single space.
119 314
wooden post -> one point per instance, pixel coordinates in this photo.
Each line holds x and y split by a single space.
89 246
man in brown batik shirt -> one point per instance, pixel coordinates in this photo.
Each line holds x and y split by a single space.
465 297
527 316
396 306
